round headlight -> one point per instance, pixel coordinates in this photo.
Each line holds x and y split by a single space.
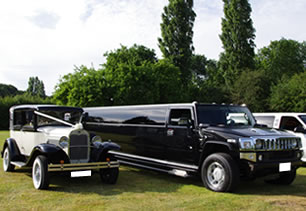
96 139
63 142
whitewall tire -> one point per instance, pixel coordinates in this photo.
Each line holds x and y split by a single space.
7 166
40 173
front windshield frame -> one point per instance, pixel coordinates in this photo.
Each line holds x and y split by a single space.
74 117
224 109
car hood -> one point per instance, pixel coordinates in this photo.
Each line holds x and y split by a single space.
230 132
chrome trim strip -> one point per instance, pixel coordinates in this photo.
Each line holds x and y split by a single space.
154 160
121 124
144 166
82 166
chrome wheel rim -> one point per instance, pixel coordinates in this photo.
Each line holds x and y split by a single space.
5 159
36 174
215 174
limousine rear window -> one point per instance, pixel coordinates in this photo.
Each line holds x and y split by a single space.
129 115
224 115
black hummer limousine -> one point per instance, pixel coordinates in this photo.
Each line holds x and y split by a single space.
221 143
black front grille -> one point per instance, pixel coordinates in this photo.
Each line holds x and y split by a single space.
78 148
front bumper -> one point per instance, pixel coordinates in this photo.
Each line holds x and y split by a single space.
82 166
251 165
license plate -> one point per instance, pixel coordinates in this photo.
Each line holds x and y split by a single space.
81 173
284 167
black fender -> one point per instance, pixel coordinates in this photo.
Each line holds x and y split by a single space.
14 150
54 154
100 149
212 146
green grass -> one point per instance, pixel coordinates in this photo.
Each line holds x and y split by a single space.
144 190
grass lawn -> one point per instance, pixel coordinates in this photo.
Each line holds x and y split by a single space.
144 190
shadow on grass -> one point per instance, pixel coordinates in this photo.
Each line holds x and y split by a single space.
132 180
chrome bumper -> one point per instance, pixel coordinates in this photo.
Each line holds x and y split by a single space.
82 166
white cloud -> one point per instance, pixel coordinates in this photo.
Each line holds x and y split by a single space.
75 32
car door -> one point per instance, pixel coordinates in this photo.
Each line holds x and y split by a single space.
179 136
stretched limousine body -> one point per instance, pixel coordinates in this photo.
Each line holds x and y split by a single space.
218 142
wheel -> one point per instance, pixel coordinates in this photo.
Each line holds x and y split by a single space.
109 175
7 166
284 178
220 173
40 173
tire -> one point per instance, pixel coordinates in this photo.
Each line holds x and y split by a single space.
284 178
7 166
220 173
109 175
40 174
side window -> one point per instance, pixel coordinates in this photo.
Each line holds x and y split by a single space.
289 123
265 120
23 118
180 117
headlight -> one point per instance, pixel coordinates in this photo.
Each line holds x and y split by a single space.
63 142
96 139
246 143
294 143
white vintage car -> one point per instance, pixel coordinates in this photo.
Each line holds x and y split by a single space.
49 138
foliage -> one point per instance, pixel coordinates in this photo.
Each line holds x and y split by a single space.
237 37
36 87
252 88
289 94
8 90
176 35
129 76
9 101
282 58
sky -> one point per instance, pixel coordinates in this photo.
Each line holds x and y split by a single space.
49 38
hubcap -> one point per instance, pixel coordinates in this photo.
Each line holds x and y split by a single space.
215 174
36 174
5 159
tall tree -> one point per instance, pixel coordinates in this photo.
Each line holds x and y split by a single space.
237 37
36 87
176 35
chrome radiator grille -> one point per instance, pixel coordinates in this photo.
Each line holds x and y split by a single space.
79 146
277 143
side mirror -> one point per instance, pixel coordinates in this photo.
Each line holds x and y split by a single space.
299 129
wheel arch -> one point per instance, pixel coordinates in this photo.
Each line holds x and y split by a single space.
101 149
211 147
54 154
14 150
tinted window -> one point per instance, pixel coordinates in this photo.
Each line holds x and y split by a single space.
179 116
289 123
265 120
126 115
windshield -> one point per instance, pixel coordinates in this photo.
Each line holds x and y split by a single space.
303 118
215 115
71 116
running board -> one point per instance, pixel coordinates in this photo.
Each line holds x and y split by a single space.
176 172
18 163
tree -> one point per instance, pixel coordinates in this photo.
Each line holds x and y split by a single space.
282 58
176 35
8 90
289 95
237 37
252 88
36 87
